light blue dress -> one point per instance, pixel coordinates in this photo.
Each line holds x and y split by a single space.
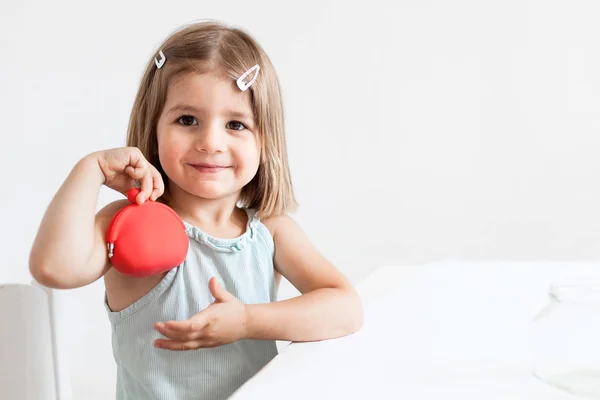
244 267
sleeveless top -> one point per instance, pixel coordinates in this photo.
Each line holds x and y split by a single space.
244 267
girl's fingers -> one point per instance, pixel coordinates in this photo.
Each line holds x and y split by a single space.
150 180
139 170
178 345
146 188
158 184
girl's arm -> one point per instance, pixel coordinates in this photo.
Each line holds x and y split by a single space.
329 307
68 251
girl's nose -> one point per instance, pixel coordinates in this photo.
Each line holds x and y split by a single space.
211 139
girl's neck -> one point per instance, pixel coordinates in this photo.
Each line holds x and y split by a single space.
218 217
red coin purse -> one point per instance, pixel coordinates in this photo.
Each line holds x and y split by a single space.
146 239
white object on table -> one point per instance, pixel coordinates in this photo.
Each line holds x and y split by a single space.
445 330
31 367
60 347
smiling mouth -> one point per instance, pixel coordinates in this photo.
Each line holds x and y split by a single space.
209 168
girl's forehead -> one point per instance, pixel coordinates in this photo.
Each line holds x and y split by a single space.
207 91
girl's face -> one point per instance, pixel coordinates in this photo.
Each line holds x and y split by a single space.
207 139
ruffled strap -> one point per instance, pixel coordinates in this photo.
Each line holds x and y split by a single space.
226 245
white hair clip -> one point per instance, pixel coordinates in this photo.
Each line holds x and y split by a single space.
161 62
245 85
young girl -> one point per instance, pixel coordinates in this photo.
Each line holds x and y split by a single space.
206 137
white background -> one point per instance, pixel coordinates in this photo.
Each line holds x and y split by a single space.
417 130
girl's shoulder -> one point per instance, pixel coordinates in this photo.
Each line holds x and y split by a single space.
277 223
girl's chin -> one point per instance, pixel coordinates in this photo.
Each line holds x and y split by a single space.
211 192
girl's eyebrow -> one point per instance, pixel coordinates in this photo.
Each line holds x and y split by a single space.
239 114
182 107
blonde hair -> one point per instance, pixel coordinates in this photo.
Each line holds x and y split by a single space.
213 47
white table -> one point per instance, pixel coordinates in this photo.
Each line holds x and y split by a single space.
448 330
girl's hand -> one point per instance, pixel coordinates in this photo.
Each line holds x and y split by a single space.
223 322
124 166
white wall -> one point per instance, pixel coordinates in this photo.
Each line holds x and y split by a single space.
417 130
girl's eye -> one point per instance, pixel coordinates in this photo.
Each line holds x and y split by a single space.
236 126
187 120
